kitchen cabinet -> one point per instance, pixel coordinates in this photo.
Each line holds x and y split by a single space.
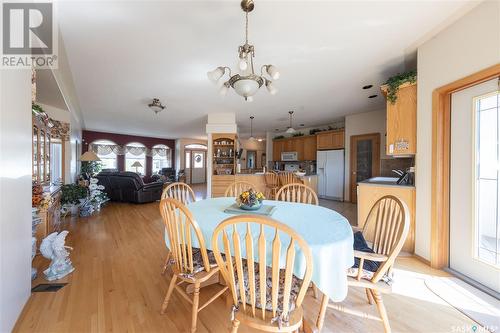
402 121
305 146
330 140
310 148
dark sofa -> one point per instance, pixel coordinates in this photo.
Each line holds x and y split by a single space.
127 186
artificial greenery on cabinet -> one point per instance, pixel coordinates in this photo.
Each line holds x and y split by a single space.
396 81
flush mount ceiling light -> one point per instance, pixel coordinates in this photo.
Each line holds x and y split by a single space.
251 128
156 105
290 129
246 83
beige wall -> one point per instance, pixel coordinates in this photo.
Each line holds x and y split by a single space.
363 123
15 194
259 147
469 45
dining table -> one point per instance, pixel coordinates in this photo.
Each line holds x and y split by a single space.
328 234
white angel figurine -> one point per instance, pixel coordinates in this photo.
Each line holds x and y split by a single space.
53 248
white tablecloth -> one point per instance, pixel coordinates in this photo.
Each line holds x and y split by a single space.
328 234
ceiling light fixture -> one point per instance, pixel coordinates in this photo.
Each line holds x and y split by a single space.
368 86
372 96
290 129
246 83
156 105
251 128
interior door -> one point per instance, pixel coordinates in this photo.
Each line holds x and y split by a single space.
474 184
364 160
198 167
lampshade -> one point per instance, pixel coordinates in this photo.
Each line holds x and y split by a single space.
89 156
290 130
216 74
137 164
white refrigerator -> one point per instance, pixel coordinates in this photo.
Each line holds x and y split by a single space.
330 170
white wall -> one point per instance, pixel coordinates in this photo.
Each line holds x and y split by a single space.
15 194
469 45
363 123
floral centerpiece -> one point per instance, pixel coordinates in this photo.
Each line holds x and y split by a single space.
250 200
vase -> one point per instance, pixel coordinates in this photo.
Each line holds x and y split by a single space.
74 210
256 206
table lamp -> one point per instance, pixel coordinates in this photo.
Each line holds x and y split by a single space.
137 164
89 156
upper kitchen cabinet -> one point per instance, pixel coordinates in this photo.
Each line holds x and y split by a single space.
330 140
304 146
402 121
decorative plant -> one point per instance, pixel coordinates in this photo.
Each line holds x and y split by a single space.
89 169
298 134
396 81
71 193
250 198
279 137
97 196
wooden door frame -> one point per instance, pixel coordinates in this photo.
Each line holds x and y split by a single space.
352 155
441 134
192 163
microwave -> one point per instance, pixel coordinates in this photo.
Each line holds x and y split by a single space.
289 156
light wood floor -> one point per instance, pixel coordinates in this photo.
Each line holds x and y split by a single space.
117 287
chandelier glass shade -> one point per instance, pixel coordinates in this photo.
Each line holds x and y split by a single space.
290 129
246 83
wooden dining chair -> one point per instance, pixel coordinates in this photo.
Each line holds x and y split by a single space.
179 191
297 193
385 229
264 297
236 188
191 266
272 184
185 194
287 177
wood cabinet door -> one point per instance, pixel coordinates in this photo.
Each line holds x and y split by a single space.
337 140
298 146
278 148
402 122
324 140
288 145
309 148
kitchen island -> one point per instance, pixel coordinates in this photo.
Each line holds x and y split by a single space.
221 182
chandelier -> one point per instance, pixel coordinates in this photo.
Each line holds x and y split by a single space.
246 83
156 105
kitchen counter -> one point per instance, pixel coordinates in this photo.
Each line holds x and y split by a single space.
384 181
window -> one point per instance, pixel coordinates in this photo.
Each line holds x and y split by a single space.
106 151
199 160
135 157
487 227
162 157
195 146
56 161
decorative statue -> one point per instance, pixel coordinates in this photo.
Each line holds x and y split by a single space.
53 248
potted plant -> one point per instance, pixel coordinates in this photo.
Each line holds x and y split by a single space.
71 195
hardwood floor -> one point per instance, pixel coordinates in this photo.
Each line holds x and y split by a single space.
117 286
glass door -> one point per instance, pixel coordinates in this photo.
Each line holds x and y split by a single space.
474 184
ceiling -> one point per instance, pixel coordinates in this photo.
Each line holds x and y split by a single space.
124 53
47 91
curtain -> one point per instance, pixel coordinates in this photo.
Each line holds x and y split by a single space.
106 149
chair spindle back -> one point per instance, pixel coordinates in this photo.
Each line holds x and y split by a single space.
179 191
236 188
254 245
297 193
180 227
